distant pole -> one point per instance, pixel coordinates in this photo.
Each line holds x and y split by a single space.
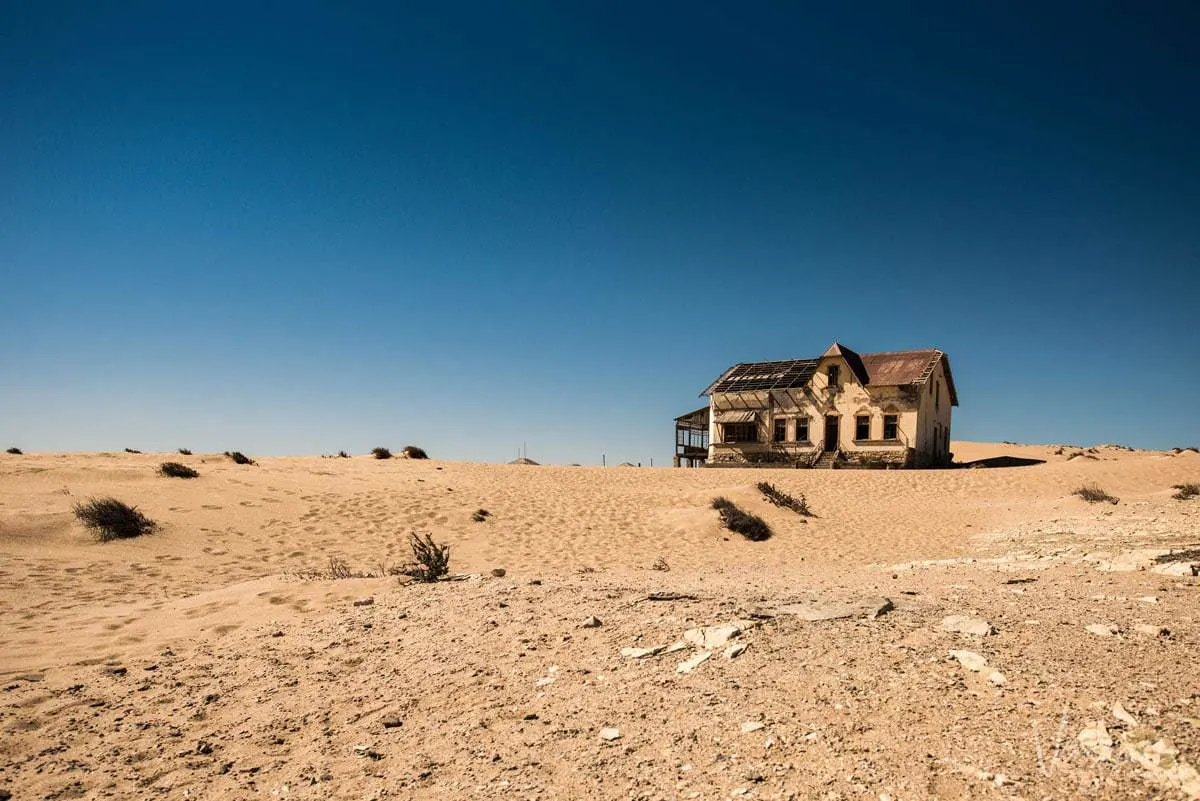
652 461
602 462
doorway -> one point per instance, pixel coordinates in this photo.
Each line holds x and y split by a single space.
831 433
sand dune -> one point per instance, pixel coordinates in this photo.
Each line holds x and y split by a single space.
211 604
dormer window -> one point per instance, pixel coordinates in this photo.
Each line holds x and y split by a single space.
834 376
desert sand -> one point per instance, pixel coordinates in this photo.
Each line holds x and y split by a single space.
990 635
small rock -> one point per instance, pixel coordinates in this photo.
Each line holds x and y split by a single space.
364 602
545 681
592 622
1096 740
1103 629
960 624
675 647
392 722
717 636
535 582
116 670
1120 713
204 747
641 653
736 649
499 572
1152 631
696 661
610 733
814 611
970 660
997 678
751 725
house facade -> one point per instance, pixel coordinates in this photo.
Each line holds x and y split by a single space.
843 409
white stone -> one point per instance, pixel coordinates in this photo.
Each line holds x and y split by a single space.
592 622
751 725
960 624
970 660
641 653
1102 629
1122 714
1162 763
814 611
717 636
610 734
736 649
696 661
1096 740
997 678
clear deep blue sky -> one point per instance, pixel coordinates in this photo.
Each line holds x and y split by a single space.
293 228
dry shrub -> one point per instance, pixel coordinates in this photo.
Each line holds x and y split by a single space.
109 519
184 452
413 452
343 455
239 458
431 561
1093 494
1186 491
750 526
14 451
783 500
381 453
481 515
176 470
132 450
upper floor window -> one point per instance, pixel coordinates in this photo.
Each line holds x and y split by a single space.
834 376
780 433
891 426
862 427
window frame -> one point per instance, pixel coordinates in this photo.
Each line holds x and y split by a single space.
728 428
779 430
801 421
895 426
862 421
833 376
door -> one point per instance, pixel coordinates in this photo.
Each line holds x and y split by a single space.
831 433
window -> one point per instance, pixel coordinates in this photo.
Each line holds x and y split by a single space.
890 426
780 430
741 432
862 427
937 397
834 376
802 429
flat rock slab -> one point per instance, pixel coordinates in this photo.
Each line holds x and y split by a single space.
960 624
642 653
717 636
813 611
696 661
970 660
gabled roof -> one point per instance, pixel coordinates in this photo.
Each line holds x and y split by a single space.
852 359
892 368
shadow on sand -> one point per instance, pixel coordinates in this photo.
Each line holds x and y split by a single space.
1004 461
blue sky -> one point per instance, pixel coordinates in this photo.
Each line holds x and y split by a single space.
294 228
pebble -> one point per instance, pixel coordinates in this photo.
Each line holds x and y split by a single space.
364 602
736 649
1102 629
499 572
751 725
696 661
610 734
970 660
592 622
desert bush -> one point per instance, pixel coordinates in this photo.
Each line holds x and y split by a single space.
1186 491
184 452
176 470
239 458
432 561
1094 494
132 450
660 564
413 452
109 519
343 455
752 527
783 500
381 453
337 568
481 515
14 451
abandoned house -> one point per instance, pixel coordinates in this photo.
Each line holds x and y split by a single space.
844 409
